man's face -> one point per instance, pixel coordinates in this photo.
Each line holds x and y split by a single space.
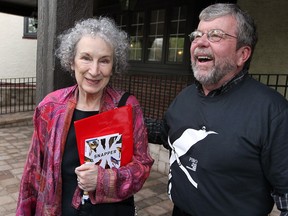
213 62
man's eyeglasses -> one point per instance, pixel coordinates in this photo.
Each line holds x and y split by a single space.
213 35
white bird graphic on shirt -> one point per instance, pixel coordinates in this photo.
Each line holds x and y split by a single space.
181 145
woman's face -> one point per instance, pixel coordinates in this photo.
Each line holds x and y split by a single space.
93 65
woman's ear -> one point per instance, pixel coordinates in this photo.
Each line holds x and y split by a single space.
72 66
244 54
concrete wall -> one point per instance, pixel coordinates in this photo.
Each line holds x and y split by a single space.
271 52
161 158
17 55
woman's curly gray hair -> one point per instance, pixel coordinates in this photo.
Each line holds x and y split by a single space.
102 27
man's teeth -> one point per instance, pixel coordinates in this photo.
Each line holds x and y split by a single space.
203 58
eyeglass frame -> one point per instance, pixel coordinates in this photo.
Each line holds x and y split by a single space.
220 32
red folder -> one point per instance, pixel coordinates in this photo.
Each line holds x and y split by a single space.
111 130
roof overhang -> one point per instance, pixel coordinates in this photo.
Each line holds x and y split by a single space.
19 7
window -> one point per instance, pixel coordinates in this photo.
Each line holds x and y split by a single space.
177 35
30 27
156 36
136 37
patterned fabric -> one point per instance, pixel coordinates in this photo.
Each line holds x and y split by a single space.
41 184
281 202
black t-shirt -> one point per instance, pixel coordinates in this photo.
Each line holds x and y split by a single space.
231 149
70 161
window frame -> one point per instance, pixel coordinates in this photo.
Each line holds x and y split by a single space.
164 66
157 67
26 32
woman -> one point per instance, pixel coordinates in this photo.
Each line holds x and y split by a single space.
53 180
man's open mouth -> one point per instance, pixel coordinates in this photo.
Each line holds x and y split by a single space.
204 58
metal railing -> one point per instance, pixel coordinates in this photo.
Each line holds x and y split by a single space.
154 92
279 82
17 94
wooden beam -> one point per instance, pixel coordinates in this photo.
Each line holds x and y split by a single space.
55 16
18 9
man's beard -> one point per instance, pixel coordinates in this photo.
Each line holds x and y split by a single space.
217 72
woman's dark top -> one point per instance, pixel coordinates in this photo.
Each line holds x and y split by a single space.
70 161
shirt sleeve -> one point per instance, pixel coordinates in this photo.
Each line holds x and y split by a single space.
154 130
158 132
281 202
275 160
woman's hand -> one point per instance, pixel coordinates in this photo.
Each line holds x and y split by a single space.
87 176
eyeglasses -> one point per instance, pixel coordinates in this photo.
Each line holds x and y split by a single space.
213 35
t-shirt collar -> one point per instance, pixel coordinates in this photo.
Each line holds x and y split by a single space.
226 87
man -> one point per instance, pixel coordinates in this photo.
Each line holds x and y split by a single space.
228 134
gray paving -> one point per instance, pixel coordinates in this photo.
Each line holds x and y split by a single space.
15 135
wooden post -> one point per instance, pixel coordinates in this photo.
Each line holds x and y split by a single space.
55 16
